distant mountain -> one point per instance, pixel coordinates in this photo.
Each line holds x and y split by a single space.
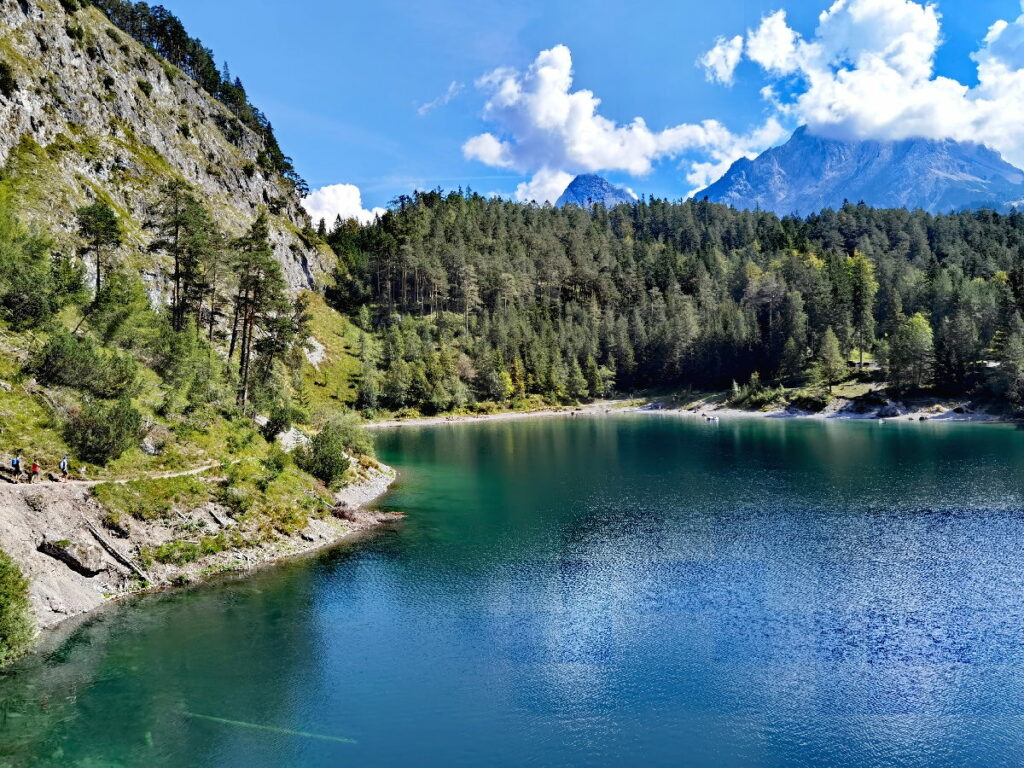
587 190
809 173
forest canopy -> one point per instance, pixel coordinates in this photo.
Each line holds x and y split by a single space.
479 298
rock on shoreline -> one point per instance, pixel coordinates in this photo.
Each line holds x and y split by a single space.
74 565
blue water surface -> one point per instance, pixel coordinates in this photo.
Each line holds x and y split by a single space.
595 591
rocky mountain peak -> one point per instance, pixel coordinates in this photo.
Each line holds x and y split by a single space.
809 173
587 190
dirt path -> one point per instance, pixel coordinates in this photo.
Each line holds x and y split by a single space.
26 486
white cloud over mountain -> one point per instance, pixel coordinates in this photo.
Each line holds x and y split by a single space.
547 129
867 71
334 200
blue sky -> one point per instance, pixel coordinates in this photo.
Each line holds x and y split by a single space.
344 83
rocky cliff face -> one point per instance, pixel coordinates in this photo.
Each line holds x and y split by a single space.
809 173
89 113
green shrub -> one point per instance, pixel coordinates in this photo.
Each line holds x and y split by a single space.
181 552
281 418
8 83
115 375
813 399
63 359
277 461
27 291
74 361
145 86
101 432
16 625
324 457
754 395
27 297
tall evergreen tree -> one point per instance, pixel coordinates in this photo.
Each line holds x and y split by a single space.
99 227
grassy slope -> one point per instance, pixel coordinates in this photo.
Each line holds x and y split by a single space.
332 383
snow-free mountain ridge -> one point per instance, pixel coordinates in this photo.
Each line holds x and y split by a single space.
809 173
587 190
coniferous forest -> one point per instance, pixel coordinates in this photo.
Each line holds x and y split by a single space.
487 300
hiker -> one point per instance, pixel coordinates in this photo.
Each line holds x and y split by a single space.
63 468
35 471
16 468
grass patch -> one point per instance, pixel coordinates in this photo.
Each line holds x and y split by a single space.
333 383
151 499
183 552
26 425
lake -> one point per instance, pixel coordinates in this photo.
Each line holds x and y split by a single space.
600 591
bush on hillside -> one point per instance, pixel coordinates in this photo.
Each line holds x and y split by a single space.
74 361
16 626
101 432
8 83
281 418
326 457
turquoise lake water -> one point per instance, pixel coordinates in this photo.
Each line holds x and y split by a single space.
603 591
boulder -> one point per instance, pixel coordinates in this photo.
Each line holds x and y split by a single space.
80 556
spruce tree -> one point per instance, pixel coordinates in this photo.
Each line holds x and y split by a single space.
831 364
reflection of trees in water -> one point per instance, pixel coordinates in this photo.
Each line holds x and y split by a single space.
117 689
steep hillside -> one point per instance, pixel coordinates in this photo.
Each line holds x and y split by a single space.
87 113
809 173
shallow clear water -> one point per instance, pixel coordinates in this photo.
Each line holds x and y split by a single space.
632 590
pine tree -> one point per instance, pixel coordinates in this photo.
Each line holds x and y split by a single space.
578 388
262 309
831 365
98 225
863 288
912 354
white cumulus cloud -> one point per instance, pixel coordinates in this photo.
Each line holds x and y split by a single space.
773 45
334 200
545 128
545 186
721 61
868 72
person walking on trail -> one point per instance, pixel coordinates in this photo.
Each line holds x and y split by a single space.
64 468
16 468
35 471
